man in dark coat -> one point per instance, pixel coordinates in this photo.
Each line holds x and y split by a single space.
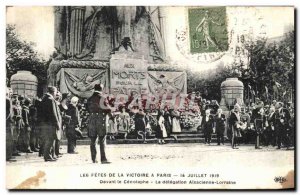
282 118
258 116
207 126
50 122
220 126
98 107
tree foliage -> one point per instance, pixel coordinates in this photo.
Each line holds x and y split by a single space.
269 63
271 68
20 55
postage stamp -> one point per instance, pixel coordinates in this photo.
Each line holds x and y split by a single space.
208 29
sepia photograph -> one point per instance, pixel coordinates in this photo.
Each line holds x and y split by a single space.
150 97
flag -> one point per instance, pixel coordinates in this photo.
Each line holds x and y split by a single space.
277 84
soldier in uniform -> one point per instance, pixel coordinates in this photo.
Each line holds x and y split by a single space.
98 107
258 116
282 118
220 126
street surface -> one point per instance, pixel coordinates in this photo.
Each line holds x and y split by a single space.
246 166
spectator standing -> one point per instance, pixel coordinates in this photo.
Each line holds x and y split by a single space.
72 111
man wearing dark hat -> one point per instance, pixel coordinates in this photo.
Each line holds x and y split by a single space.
98 108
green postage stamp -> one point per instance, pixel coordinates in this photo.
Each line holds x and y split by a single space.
208 29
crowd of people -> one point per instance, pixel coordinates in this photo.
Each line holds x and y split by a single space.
30 123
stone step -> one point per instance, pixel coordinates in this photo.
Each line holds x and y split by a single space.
140 141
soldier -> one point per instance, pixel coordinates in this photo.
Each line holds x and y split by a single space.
220 126
98 107
258 116
282 118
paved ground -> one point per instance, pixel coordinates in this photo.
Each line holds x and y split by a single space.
245 162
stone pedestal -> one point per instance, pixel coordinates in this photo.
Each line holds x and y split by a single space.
232 92
24 83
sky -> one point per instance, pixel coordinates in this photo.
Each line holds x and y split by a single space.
36 24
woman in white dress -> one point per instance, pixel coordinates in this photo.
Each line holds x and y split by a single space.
161 132
123 122
111 125
175 121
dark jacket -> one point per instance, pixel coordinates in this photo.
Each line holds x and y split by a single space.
72 111
282 119
207 126
259 119
220 123
96 121
50 118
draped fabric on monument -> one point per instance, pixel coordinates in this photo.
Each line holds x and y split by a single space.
164 82
80 82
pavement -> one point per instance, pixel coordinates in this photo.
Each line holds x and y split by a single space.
174 158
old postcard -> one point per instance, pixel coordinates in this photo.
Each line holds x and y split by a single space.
150 97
